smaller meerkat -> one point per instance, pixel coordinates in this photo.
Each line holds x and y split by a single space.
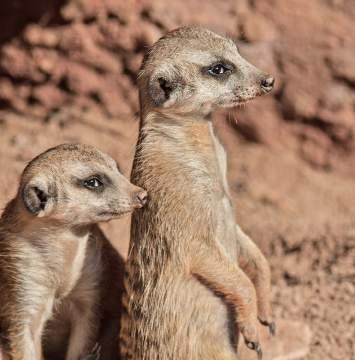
53 258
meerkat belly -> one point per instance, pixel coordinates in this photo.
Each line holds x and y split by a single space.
223 208
193 315
225 232
68 292
189 314
82 295
201 313
209 314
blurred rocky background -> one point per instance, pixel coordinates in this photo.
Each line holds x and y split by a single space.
68 73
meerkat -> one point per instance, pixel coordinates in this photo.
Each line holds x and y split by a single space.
193 278
53 256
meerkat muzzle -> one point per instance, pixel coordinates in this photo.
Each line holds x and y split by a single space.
267 84
141 198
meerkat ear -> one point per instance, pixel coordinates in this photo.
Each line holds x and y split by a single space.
163 87
37 198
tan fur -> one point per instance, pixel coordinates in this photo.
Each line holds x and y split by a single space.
57 268
193 277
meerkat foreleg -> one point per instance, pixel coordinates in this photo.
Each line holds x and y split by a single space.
107 343
257 268
22 347
227 280
25 336
83 328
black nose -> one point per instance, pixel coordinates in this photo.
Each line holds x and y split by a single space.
267 83
142 197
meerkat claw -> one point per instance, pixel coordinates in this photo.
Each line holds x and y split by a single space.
259 353
255 345
95 353
270 324
272 328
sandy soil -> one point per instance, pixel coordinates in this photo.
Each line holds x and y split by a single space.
67 73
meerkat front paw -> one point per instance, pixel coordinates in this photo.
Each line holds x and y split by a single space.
95 353
256 347
256 267
246 312
270 324
251 338
263 294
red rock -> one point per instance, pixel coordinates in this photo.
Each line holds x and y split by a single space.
36 35
343 65
299 102
16 61
49 96
256 27
81 79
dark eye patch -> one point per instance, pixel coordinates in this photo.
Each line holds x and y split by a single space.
92 183
220 69
95 182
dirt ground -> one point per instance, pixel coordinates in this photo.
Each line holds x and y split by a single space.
68 73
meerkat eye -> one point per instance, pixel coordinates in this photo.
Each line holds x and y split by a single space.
92 183
219 69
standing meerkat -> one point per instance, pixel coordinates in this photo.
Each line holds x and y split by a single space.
193 279
53 258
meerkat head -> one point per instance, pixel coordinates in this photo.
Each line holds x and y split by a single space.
192 69
77 184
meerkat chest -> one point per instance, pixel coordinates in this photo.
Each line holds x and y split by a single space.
74 259
221 160
223 207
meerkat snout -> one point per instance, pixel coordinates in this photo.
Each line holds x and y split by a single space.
267 84
142 197
138 197
80 180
